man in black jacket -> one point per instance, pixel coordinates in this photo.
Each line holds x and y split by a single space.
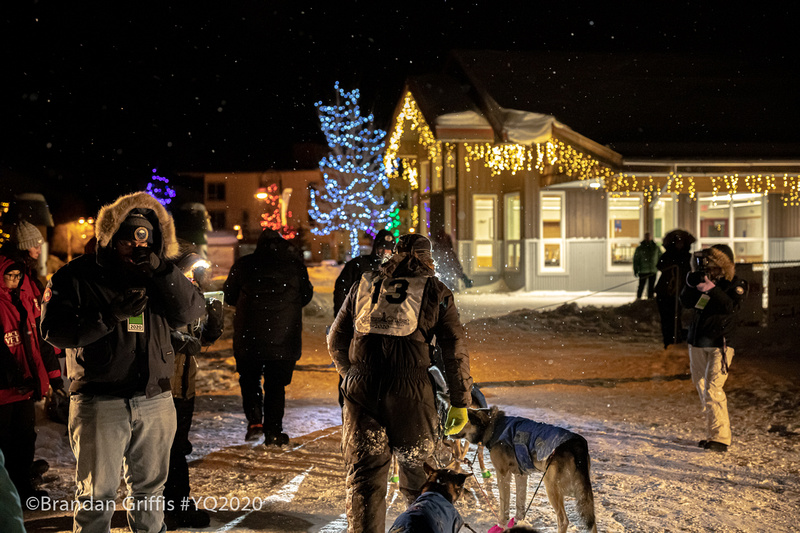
353 269
380 343
714 295
113 312
269 288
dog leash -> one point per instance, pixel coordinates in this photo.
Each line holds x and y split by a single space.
478 483
547 466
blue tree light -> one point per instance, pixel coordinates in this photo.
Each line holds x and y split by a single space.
353 172
159 189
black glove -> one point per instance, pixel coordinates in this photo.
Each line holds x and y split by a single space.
468 283
191 345
124 306
57 384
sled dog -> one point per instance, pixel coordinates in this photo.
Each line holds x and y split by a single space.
433 511
519 446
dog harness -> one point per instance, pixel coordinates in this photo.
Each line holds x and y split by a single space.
530 440
430 513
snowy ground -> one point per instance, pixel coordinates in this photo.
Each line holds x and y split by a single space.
598 371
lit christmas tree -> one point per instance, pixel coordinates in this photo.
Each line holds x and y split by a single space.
159 189
275 216
353 170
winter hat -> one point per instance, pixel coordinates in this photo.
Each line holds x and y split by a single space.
725 249
412 243
384 240
27 235
135 228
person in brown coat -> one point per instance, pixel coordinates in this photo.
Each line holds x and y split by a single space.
381 343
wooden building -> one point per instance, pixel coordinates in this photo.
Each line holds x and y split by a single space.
547 169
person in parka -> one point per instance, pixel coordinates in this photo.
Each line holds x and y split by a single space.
645 261
187 342
269 289
714 295
380 343
113 313
351 272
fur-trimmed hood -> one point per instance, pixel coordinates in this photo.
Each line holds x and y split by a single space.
111 217
720 259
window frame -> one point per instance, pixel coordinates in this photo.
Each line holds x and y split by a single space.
561 240
492 241
625 267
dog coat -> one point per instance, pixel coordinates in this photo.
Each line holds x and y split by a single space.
430 513
529 439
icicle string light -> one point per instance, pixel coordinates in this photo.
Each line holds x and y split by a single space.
557 157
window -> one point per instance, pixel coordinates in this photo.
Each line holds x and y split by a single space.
216 191
484 212
552 231
424 176
425 219
450 216
624 229
737 221
436 178
513 230
449 166
664 216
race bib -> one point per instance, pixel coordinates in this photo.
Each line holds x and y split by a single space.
389 306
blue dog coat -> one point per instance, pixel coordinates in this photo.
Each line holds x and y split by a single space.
430 513
530 440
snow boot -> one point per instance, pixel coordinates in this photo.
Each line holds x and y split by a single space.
715 446
254 431
277 439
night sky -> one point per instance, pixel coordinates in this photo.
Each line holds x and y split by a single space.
96 95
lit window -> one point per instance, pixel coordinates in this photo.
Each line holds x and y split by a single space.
624 229
484 213
513 232
737 221
552 234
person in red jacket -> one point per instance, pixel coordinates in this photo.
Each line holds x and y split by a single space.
24 378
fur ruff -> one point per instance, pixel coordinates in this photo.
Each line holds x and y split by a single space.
111 216
719 258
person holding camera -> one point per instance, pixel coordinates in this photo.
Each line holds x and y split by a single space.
714 294
113 313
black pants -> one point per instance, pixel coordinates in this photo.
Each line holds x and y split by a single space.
666 309
650 280
385 413
177 486
265 406
18 442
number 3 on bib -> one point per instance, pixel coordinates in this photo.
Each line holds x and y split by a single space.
389 306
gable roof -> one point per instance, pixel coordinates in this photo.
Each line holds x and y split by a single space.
642 106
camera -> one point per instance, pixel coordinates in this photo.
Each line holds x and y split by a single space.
700 261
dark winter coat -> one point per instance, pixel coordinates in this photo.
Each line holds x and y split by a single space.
645 258
269 288
103 357
373 353
674 265
430 513
352 271
188 342
23 372
712 326
530 440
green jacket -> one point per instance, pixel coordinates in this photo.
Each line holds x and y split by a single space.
645 258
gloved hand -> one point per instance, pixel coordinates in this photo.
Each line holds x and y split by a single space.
191 345
57 384
456 420
127 305
468 283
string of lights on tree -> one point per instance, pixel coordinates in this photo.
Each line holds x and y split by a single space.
159 188
557 157
353 172
271 218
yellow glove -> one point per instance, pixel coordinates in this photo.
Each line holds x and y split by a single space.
456 420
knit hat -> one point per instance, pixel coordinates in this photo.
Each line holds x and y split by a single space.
412 242
27 235
135 228
384 240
